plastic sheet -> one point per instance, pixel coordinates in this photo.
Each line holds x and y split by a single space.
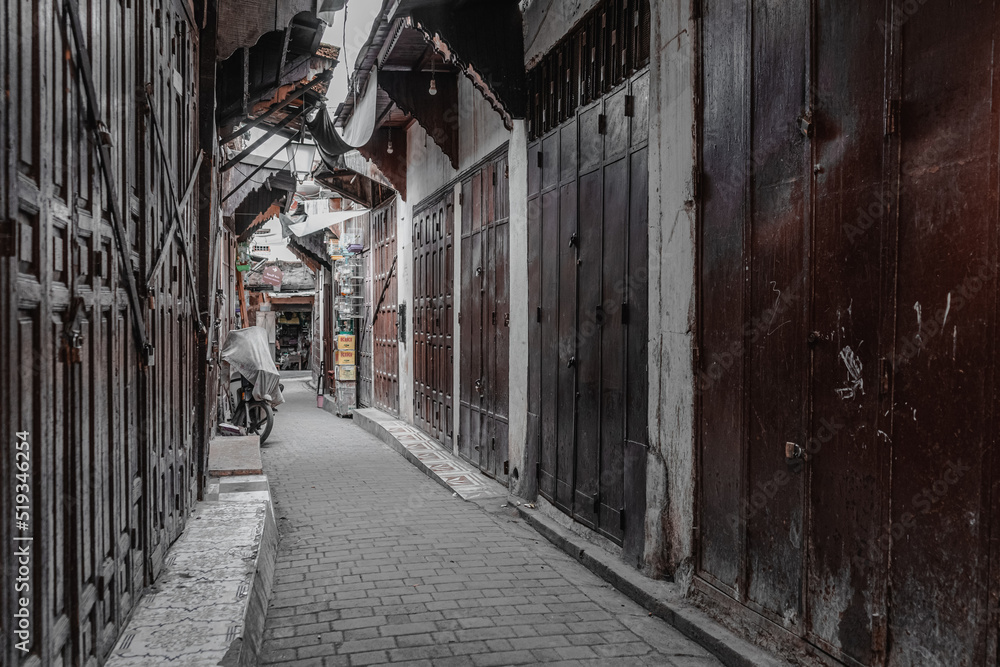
247 352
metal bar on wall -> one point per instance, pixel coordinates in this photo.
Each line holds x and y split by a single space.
104 160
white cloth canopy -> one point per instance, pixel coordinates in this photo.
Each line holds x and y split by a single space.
314 223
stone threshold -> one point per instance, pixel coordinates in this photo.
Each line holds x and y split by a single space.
209 604
660 598
429 456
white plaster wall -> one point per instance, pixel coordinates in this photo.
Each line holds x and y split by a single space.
481 131
404 294
517 166
670 481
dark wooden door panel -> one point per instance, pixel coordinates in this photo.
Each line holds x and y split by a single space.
613 346
385 329
591 216
485 319
88 405
587 344
433 227
845 505
720 382
943 412
550 359
780 178
862 286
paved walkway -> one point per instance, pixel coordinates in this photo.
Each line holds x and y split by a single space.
379 564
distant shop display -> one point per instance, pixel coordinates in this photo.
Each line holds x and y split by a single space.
292 340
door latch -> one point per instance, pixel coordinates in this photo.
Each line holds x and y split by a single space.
794 452
571 363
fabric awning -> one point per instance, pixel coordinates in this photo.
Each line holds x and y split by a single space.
315 223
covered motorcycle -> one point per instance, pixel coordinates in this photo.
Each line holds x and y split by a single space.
248 352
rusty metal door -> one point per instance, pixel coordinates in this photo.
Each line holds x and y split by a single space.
385 334
112 439
587 212
433 290
848 243
485 319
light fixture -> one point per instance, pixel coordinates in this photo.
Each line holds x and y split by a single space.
433 90
388 149
301 157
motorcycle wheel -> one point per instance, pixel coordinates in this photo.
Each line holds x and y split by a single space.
261 420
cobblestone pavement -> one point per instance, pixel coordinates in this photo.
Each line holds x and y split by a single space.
379 564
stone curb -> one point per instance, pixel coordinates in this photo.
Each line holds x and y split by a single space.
653 596
488 488
380 432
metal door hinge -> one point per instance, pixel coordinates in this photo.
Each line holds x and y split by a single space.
539 159
695 182
602 124
597 505
538 314
461 199
892 110
629 106
621 518
506 467
625 312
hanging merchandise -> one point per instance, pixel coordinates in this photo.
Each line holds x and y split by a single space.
243 257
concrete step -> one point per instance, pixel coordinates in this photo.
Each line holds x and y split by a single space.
209 604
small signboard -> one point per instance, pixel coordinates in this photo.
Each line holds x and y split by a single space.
345 341
347 373
345 357
272 276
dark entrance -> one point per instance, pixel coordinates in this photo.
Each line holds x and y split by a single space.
587 222
485 318
433 289
847 319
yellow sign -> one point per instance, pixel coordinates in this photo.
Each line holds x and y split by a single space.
346 373
345 357
345 341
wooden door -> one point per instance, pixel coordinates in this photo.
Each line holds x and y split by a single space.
485 319
112 446
366 363
587 207
433 289
385 333
845 432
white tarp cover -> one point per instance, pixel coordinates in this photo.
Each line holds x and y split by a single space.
361 124
314 223
248 352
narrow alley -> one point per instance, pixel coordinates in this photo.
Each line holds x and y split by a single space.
377 563
493 332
